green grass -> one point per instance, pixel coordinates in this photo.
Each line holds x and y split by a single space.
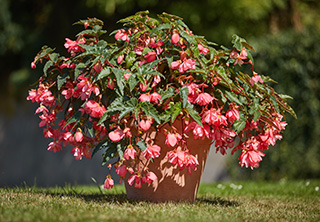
241 201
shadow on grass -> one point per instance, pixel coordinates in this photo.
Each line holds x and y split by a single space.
120 199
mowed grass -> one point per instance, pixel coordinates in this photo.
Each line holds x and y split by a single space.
238 201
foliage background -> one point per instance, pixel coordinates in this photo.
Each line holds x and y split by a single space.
285 34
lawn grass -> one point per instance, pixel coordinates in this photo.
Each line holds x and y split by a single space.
240 201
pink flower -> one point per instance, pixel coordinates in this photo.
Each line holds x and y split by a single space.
203 99
187 65
122 35
116 135
232 115
250 158
130 152
152 152
214 117
121 171
198 131
149 178
54 146
135 178
255 78
120 59
202 49
145 97
33 65
155 97
73 46
78 137
127 75
175 38
171 139
77 153
108 183
150 56
94 109
145 124
175 64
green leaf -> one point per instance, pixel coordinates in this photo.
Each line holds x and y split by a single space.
110 153
119 74
75 118
161 27
104 73
176 111
184 92
275 103
48 64
61 80
54 57
189 38
78 70
130 58
232 97
149 110
167 94
193 113
142 145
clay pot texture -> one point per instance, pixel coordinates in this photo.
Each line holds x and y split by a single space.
172 184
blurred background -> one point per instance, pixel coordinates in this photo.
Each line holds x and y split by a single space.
285 34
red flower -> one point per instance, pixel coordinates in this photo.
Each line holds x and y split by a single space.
175 38
145 124
116 135
150 56
152 152
108 183
203 99
130 152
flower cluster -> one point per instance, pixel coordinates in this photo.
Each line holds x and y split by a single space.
156 73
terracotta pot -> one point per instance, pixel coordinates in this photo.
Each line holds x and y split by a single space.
172 183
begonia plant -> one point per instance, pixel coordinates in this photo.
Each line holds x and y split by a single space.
103 96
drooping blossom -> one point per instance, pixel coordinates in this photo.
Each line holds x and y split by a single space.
145 124
120 59
183 159
155 97
198 131
250 158
157 46
78 137
214 117
54 146
233 114
175 38
204 99
150 56
188 64
121 171
85 88
145 97
94 109
130 152
116 135
239 57
193 89
175 64
108 183
73 46
135 179
203 49
79 152
255 78
152 151
171 139
122 35
149 178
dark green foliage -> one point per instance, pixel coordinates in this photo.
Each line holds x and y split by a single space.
292 59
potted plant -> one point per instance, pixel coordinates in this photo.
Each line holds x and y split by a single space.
155 100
